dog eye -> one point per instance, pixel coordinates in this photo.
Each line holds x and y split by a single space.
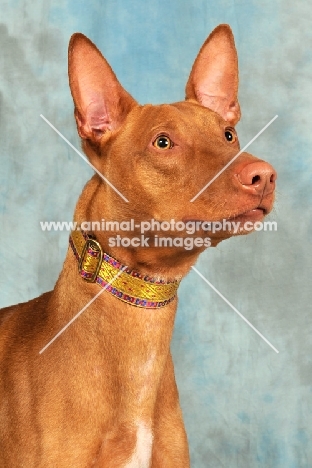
230 135
163 142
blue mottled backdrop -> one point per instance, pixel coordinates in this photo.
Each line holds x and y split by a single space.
244 404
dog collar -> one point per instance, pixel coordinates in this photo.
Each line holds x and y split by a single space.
95 266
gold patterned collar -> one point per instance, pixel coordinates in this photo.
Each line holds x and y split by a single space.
95 266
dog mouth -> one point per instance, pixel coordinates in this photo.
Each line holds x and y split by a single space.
241 223
253 215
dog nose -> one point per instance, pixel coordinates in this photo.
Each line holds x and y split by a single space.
258 178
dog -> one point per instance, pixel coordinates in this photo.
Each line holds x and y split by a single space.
103 393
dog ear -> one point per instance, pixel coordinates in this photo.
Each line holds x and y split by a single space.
101 103
213 81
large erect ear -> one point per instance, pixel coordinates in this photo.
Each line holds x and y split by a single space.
213 81
101 103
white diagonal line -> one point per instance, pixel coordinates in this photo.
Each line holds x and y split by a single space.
235 310
233 159
82 310
85 159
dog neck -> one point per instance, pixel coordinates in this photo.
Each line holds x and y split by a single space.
95 266
167 263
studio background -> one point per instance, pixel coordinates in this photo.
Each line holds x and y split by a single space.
244 405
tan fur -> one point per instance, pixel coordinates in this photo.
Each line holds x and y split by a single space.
109 377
